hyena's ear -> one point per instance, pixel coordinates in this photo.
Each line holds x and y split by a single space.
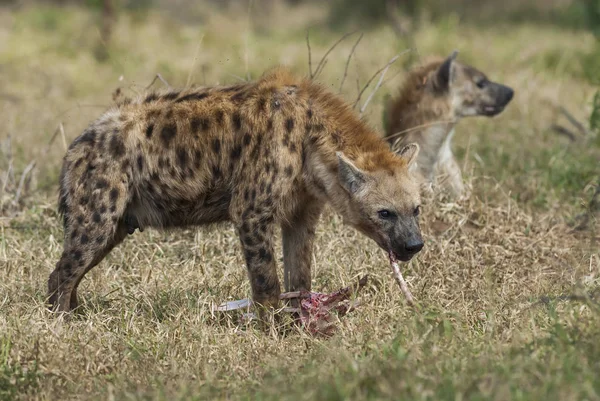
444 73
409 153
351 177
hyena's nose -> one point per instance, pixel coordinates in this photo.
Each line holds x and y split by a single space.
413 246
508 94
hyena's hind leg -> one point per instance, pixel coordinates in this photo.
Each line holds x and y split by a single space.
92 230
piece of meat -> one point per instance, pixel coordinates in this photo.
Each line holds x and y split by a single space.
316 312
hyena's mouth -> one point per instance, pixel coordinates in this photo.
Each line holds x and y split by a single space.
492 110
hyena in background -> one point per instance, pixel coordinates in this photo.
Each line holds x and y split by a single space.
431 102
257 154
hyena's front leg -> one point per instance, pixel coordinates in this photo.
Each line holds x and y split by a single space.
256 236
451 176
298 237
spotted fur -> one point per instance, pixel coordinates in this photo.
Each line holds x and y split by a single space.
258 154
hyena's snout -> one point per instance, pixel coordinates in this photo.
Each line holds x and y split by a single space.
407 243
505 94
413 245
499 96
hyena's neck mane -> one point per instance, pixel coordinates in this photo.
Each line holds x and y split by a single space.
416 113
343 131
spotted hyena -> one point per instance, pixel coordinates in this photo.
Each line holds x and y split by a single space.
432 101
256 154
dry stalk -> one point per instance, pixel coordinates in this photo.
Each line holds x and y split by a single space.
323 60
348 61
385 67
158 76
189 78
364 106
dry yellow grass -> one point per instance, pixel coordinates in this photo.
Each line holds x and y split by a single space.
493 321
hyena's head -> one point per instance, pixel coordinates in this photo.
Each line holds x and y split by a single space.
385 204
470 90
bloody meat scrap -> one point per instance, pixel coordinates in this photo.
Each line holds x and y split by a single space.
315 311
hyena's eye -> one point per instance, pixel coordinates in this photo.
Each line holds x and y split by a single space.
385 214
482 83
417 211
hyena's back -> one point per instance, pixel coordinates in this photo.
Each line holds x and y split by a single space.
180 158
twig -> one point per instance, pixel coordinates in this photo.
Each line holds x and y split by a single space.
189 78
309 54
348 61
27 170
321 64
395 134
364 106
158 76
237 77
559 129
63 136
376 73
246 39
580 127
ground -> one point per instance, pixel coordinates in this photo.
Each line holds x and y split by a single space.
507 288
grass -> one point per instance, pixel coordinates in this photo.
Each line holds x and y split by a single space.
507 289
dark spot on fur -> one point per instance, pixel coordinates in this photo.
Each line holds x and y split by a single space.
84 239
101 183
182 157
245 228
238 97
113 209
253 195
149 130
84 200
80 219
247 139
77 255
114 195
78 163
192 97
289 170
216 145
293 148
289 125
88 137
237 121
309 113
96 217
248 240
150 98
140 162
270 125
262 102
219 117
102 209
74 234
249 254
236 152
170 95
197 158
168 133
264 255
232 88
216 171
100 239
